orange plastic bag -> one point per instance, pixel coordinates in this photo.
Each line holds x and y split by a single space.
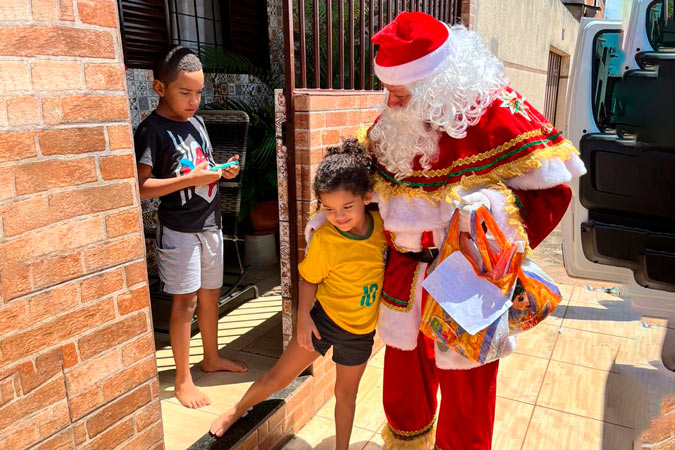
503 263
535 297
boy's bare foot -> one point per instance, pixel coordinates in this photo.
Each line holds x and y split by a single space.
191 397
224 364
223 422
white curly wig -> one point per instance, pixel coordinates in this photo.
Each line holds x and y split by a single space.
449 101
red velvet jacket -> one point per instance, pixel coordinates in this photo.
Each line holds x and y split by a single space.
512 140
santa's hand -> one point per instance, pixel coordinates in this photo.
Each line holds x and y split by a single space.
469 204
314 224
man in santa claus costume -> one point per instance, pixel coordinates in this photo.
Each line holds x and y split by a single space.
452 134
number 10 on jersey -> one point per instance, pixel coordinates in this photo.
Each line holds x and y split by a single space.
369 295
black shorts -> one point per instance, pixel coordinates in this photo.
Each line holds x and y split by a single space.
349 349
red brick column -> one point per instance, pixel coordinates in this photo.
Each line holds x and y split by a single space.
469 13
77 365
323 119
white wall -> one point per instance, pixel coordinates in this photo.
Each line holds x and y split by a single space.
521 34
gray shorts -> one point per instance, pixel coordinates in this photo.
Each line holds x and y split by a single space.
189 261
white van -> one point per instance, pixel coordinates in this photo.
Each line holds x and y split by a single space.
621 116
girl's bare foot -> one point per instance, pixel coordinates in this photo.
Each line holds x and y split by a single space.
223 364
223 422
191 397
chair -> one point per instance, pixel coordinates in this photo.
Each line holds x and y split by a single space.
228 133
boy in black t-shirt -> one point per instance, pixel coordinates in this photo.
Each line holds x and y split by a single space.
173 156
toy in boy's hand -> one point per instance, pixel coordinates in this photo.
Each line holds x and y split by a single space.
230 168
187 163
223 166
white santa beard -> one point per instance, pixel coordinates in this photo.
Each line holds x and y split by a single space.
400 138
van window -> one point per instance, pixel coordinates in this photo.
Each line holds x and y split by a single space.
607 59
661 25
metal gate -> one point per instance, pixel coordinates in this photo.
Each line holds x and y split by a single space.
552 86
335 52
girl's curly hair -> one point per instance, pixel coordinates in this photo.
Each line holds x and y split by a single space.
346 167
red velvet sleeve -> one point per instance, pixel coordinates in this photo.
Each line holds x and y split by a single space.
542 210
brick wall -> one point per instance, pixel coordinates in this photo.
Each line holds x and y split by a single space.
469 13
323 119
77 364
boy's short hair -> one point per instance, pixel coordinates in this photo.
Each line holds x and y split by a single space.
172 61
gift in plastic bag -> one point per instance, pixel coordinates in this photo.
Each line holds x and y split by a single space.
493 258
534 298
485 346
535 295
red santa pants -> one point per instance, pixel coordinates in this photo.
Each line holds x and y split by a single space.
467 412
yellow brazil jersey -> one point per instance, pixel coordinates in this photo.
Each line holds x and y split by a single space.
349 270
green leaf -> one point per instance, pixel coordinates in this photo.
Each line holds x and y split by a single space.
272 179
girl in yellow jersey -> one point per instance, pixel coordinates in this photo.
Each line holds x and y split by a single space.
343 271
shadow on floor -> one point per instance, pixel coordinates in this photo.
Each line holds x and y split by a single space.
627 314
633 397
255 342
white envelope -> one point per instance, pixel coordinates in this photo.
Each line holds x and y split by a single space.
473 302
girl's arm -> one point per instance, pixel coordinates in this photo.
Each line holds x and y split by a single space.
306 326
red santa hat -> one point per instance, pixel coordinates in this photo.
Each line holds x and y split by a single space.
412 47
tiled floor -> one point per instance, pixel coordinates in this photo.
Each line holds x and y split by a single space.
251 333
589 378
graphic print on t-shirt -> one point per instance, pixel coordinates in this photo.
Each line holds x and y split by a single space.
196 153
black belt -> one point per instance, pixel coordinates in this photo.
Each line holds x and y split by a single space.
426 256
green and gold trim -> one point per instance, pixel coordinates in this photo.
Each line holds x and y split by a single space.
489 154
466 170
402 305
389 186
